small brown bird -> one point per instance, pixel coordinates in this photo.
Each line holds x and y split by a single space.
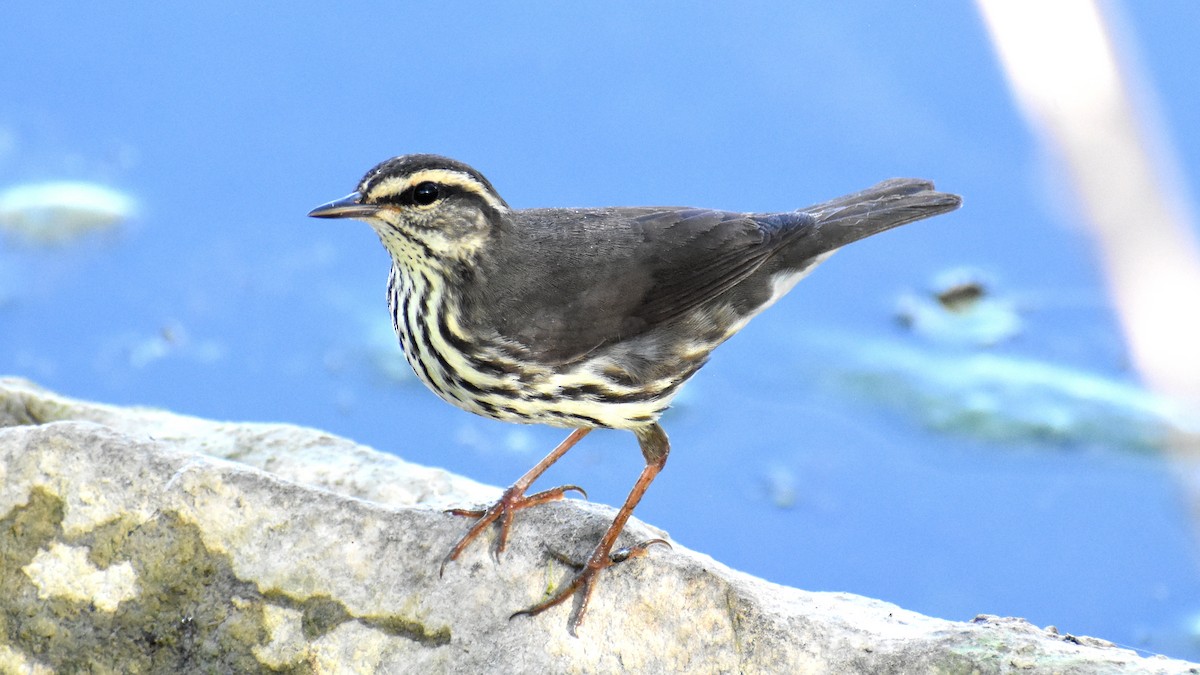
585 318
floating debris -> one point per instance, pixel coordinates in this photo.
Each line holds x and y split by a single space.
961 297
59 212
1007 398
959 310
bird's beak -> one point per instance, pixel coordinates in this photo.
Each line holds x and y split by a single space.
346 207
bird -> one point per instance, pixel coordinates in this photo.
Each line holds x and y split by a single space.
585 318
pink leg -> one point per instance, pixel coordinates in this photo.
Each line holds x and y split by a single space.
655 448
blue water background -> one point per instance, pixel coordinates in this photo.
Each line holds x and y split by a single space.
228 121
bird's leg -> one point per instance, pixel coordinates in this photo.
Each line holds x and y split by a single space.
654 444
513 500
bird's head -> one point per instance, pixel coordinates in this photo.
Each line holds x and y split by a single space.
426 209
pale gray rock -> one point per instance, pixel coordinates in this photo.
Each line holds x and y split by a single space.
136 540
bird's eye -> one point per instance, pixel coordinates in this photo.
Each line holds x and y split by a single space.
426 193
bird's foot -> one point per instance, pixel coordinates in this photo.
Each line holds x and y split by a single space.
585 579
502 511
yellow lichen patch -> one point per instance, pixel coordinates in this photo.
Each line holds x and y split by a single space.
65 572
287 644
13 661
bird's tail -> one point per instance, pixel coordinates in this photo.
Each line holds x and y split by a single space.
889 204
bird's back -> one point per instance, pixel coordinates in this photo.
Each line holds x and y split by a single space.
596 277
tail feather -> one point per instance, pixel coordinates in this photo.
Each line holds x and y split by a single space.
889 204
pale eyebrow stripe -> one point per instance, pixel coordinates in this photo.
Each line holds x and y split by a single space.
458 179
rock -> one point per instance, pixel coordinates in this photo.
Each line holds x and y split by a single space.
135 540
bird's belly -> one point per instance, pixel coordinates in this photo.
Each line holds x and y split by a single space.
584 395
623 385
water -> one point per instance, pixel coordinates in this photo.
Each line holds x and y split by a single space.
227 122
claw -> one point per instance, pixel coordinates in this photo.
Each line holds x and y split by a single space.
564 558
636 551
553 494
564 489
584 581
501 512
513 500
